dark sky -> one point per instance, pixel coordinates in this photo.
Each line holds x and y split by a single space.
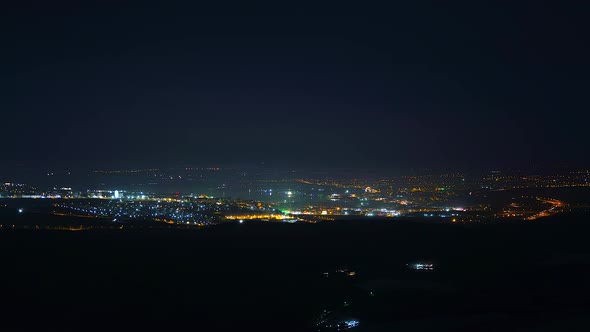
357 84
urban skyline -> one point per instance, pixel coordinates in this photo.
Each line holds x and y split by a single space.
209 196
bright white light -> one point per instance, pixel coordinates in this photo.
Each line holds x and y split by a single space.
241 221
20 210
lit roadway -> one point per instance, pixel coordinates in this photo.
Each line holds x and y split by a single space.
555 208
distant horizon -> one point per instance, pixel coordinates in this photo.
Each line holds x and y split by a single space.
276 171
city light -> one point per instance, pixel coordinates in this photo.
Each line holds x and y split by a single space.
316 200
422 266
351 323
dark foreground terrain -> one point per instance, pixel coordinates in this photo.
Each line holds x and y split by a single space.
532 276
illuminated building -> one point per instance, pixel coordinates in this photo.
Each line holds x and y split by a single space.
422 266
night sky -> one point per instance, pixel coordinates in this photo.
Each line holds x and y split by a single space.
389 86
